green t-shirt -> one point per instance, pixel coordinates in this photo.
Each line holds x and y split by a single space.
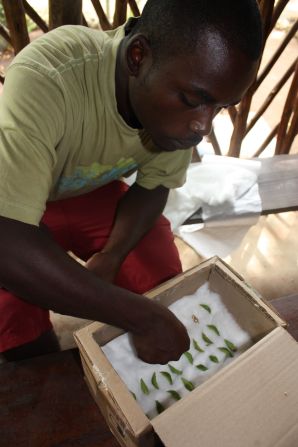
60 132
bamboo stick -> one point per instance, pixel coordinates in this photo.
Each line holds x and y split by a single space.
266 141
35 17
271 96
276 55
84 21
120 13
233 113
240 125
5 34
134 7
103 20
214 141
16 22
287 112
266 8
291 134
65 12
280 6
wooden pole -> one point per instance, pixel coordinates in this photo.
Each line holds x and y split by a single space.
272 95
214 141
266 8
267 141
280 6
290 103
292 132
65 12
84 21
276 55
35 17
233 113
240 125
120 13
134 7
4 33
16 22
103 20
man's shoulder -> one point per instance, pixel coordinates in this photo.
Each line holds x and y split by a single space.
63 46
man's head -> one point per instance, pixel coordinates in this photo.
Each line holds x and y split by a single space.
187 59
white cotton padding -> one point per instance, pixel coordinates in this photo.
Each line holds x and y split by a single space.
202 323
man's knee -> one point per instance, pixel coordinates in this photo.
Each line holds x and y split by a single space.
20 322
46 343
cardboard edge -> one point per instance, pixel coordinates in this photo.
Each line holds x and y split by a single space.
251 293
208 264
118 394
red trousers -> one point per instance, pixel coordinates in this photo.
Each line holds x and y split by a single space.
82 225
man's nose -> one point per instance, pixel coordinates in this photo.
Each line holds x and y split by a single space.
201 124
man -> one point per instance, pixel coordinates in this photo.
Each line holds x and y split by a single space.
81 108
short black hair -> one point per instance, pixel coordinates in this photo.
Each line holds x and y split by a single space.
173 26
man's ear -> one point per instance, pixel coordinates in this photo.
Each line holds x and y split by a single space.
138 51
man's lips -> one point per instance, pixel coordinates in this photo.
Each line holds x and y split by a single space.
168 144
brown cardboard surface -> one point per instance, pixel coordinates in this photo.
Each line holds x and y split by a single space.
235 407
252 402
103 378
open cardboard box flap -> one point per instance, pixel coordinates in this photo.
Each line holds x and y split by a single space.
254 402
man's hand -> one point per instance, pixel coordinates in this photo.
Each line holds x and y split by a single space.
165 339
105 265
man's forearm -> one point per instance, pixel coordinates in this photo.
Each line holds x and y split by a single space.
136 213
36 269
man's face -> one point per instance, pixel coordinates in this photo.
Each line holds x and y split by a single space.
177 100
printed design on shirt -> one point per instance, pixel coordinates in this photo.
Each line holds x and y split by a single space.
94 175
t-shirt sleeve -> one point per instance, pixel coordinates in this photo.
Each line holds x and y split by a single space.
31 125
166 168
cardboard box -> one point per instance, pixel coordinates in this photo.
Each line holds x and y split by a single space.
253 401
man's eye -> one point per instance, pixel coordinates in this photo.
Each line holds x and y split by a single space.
187 101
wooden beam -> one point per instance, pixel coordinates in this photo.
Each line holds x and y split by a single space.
267 141
65 12
267 8
280 6
290 103
5 34
276 55
103 20
272 95
240 125
213 140
120 13
233 113
16 22
134 7
292 132
35 17
84 21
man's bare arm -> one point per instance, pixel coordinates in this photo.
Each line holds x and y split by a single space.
136 213
37 270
